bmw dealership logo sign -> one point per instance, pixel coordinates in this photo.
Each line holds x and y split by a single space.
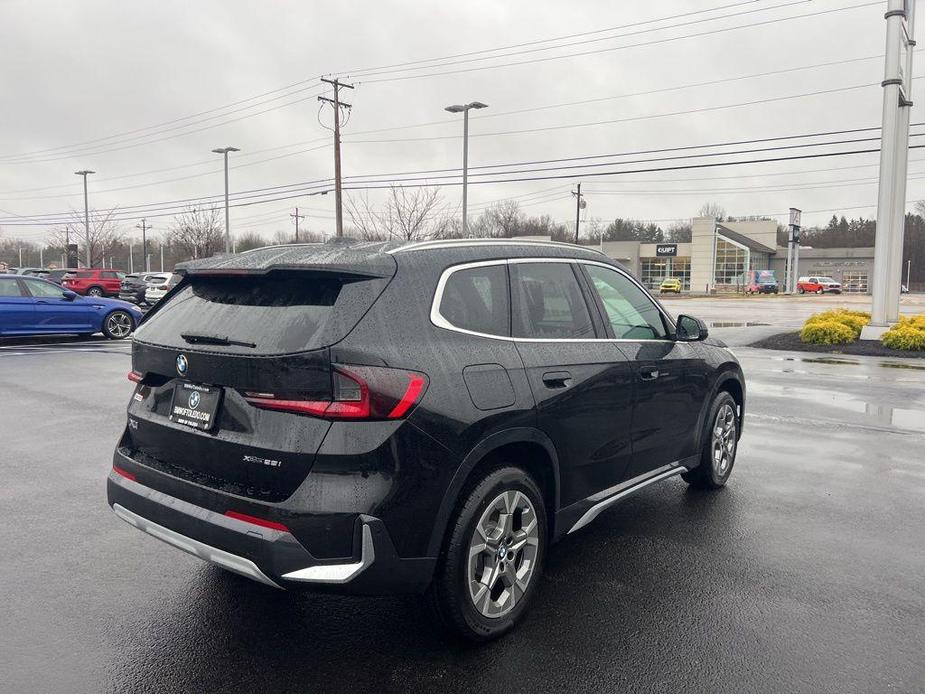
182 365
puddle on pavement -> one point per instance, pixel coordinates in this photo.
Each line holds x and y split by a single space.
894 365
825 360
873 413
734 324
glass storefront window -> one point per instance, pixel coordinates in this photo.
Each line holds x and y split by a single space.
731 262
653 270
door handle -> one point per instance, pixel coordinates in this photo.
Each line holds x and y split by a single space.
649 373
557 379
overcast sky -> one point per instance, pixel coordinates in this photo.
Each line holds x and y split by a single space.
79 78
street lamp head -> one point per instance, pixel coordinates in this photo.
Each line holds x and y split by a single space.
456 108
83 173
477 104
225 150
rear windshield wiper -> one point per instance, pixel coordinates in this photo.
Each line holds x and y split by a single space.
196 339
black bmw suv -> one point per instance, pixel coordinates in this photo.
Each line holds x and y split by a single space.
412 417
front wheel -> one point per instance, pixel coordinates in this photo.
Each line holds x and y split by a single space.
94 291
801 290
493 556
721 439
819 291
118 325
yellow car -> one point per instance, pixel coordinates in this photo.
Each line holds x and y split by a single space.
670 284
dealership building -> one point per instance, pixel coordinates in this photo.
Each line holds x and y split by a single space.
720 254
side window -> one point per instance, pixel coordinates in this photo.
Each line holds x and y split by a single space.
9 287
44 289
477 299
548 303
631 313
108 275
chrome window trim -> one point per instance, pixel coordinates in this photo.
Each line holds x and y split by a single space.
441 322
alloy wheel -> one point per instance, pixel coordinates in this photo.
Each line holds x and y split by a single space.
503 554
723 445
119 324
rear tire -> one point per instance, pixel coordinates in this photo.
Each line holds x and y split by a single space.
95 291
819 291
720 444
118 325
492 557
801 290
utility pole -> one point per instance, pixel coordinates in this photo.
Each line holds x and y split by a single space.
86 173
794 243
464 109
580 204
162 256
909 275
297 217
894 151
224 151
337 103
131 257
144 242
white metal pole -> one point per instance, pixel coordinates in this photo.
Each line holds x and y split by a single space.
131 258
894 281
227 226
713 273
892 80
465 222
788 270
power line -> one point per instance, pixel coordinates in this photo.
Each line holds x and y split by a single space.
489 169
618 48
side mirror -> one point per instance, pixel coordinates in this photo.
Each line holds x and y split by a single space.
690 329
68 295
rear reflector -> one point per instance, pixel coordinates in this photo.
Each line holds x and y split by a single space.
124 473
253 520
134 377
360 393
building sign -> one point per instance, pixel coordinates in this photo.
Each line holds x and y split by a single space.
664 250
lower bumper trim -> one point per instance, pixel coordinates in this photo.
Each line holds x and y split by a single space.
338 573
227 560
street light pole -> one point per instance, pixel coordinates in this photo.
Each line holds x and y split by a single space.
86 173
224 151
464 109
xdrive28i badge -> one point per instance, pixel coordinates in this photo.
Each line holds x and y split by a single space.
182 364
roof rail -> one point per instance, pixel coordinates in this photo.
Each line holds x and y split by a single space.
457 243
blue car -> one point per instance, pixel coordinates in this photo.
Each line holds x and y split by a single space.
31 306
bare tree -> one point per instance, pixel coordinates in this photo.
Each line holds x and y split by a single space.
503 219
410 214
104 234
197 232
712 209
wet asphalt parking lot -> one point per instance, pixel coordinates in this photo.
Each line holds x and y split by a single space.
806 574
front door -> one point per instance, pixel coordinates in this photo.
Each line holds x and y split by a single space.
56 314
581 382
669 385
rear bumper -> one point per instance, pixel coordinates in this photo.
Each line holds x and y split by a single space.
267 555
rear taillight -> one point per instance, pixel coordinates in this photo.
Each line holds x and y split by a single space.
360 392
135 377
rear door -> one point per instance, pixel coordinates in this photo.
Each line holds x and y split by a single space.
670 377
16 312
55 314
582 383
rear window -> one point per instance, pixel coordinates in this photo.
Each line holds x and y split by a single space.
278 313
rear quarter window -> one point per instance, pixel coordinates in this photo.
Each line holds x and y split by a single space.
477 299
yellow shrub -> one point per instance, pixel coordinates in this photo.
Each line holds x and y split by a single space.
855 320
829 332
908 334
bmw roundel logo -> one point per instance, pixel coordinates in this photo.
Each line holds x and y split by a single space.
194 398
182 365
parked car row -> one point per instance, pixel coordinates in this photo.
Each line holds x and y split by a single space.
135 287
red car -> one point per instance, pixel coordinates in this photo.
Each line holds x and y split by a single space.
818 285
94 282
